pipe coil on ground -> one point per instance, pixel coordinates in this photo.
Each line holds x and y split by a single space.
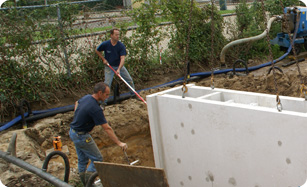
66 161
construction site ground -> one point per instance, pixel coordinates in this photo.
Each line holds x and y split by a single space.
130 122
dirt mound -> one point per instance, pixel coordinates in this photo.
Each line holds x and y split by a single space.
129 120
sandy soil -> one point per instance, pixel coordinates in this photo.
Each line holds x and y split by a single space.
129 120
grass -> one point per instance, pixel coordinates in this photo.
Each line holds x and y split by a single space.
158 19
226 11
99 29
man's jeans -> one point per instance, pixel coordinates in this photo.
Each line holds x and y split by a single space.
86 149
109 74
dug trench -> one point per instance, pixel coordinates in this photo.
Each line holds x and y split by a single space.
130 121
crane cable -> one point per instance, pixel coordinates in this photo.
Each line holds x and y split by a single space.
278 105
212 47
187 74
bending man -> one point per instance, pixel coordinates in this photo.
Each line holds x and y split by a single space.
88 114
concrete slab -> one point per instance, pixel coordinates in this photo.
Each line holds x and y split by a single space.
228 138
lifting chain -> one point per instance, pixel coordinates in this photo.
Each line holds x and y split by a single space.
187 74
212 47
303 87
279 106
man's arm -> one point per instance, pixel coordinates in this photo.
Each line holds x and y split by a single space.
99 53
121 64
76 105
113 137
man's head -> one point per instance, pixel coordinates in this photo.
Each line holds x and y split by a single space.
102 91
114 34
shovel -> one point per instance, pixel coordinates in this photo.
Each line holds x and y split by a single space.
132 163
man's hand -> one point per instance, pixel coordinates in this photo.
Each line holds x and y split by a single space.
101 57
124 146
118 71
112 135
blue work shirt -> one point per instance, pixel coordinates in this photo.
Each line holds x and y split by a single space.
87 115
112 53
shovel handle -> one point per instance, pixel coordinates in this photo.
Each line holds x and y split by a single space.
126 157
126 83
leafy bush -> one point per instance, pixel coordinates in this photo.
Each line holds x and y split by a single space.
142 44
31 72
251 22
200 47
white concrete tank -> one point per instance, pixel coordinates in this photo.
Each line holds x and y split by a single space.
220 138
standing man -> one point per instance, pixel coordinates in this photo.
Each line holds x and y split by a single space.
88 114
114 54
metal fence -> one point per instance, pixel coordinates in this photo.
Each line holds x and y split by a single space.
90 4
87 15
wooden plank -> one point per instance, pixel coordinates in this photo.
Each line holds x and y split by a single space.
119 175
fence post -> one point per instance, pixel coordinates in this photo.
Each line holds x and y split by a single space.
63 43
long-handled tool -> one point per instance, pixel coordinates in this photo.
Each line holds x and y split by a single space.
132 163
126 83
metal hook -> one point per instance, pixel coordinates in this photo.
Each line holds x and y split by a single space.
212 84
184 90
278 105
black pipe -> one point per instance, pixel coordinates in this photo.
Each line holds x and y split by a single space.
22 112
66 161
61 110
275 67
46 176
116 94
50 113
293 62
237 62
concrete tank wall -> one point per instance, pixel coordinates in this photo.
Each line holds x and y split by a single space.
219 138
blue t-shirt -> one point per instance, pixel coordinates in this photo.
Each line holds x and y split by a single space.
112 53
87 115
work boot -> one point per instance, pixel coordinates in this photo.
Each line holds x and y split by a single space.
87 176
82 177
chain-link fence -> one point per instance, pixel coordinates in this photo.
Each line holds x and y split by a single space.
41 45
91 4
57 25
